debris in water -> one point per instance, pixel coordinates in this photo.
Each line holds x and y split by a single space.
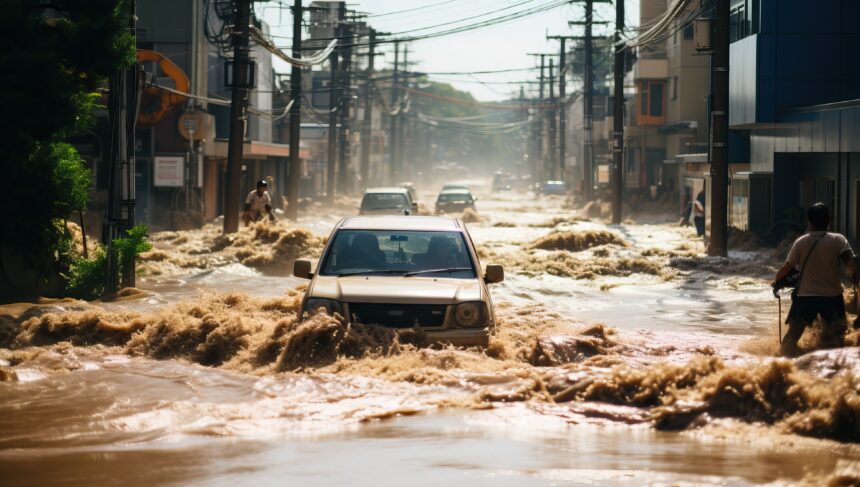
577 241
774 392
470 216
268 246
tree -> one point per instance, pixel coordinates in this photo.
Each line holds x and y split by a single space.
56 56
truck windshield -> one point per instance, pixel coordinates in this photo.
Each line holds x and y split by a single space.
419 253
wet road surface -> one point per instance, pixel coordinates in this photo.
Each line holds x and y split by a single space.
93 415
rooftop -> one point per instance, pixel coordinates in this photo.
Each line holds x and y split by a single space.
397 222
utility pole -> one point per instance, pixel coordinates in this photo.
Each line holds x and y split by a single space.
562 109
295 117
618 115
403 120
238 110
331 163
552 109
366 126
539 156
344 103
720 132
394 169
124 96
562 114
588 102
588 99
333 107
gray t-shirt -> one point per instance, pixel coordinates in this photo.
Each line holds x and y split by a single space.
823 275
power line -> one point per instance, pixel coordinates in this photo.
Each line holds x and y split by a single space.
424 7
464 19
464 28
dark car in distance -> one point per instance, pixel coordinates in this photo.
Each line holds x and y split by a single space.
553 187
454 200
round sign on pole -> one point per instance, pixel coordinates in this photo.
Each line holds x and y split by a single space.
194 124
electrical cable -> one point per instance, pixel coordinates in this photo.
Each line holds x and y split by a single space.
523 2
423 7
320 57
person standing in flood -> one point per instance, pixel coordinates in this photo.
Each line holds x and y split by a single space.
258 203
818 255
699 213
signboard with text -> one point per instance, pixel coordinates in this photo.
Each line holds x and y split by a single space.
169 171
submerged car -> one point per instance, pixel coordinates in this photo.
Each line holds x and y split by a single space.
501 182
387 201
404 272
448 186
454 200
553 187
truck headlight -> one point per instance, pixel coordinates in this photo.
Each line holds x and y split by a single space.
314 305
473 313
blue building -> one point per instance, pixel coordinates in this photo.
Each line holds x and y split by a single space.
795 112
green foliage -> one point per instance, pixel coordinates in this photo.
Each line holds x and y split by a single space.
71 178
58 55
133 244
87 277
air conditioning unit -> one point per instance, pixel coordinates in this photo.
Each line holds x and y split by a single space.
702 34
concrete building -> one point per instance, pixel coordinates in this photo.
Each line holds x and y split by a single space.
795 112
666 136
182 46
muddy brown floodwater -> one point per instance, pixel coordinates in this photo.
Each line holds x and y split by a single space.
624 356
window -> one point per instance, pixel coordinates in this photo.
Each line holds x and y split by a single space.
743 19
688 32
674 87
656 99
395 252
652 102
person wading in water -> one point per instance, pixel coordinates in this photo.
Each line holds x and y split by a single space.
257 204
818 256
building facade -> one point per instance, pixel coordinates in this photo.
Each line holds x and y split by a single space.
795 113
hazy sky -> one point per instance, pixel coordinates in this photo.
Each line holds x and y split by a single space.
499 46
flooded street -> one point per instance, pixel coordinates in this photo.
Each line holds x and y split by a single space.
633 361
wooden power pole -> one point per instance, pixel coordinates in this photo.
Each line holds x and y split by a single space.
618 115
238 113
295 117
367 124
720 132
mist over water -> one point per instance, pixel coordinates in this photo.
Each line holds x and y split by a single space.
623 357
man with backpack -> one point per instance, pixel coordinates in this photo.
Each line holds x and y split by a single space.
818 256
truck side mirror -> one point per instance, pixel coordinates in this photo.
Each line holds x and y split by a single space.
302 269
494 273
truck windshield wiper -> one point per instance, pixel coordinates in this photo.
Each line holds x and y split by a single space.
432 271
373 271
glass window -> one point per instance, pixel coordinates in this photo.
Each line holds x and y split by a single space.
688 32
444 197
381 252
656 100
384 201
644 98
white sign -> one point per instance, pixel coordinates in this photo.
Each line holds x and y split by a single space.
169 171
